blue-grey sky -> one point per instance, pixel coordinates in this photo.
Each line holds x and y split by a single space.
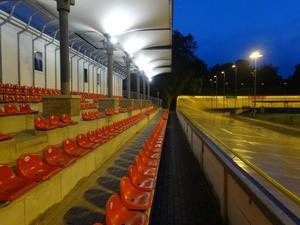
229 30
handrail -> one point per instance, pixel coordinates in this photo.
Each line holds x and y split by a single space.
232 167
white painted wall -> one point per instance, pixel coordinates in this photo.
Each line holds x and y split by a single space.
50 76
9 54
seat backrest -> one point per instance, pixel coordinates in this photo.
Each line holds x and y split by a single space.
69 144
114 207
6 173
54 119
27 163
81 139
9 108
51 152
40 122
65 118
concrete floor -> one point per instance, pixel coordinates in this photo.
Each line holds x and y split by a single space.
276 153
86 203
182 196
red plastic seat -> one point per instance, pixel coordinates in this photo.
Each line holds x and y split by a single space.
133 198
93 137
5 137
150 154
96 115
66 119
26 109
117 214
101 134
71 148
122 110
144 169
12 109
54 157
55 121
11 186
148 161
86 116
84 142
41 123
31 167
140 181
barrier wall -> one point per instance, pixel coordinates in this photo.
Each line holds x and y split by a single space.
220 102
33 203
241 200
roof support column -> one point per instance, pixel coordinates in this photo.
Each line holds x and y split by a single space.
110 63
138 85
63 7
149 82
128 77
144 87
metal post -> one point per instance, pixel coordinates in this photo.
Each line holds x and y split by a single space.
128 77
235 86
224 92
144 87
255 65
63 7
110 53
138 85
149 89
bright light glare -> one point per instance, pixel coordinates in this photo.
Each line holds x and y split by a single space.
116 22
133 45
113 40
233 66
255 55
223 72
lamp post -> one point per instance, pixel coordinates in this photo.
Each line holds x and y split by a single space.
216 82
255 55
224 92
235 83
211 86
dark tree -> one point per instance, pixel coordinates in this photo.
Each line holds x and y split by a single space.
188 71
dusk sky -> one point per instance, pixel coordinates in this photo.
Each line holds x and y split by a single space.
229 30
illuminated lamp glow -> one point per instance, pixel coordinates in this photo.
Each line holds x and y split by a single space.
255 55
133 45
116 22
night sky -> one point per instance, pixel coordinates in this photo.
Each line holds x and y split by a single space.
229 30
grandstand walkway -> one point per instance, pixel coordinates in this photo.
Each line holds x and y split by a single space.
85 205
182 195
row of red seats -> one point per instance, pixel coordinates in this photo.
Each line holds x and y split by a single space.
87 105
30 168
110 112
53 122
20 99
136 190
91 115
10 109
122 110
15 89
150 111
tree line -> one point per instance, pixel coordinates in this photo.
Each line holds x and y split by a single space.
191 76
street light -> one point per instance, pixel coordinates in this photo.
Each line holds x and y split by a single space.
216 82
235 82
223 72
255 55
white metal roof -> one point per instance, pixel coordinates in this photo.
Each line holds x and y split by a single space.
143 28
